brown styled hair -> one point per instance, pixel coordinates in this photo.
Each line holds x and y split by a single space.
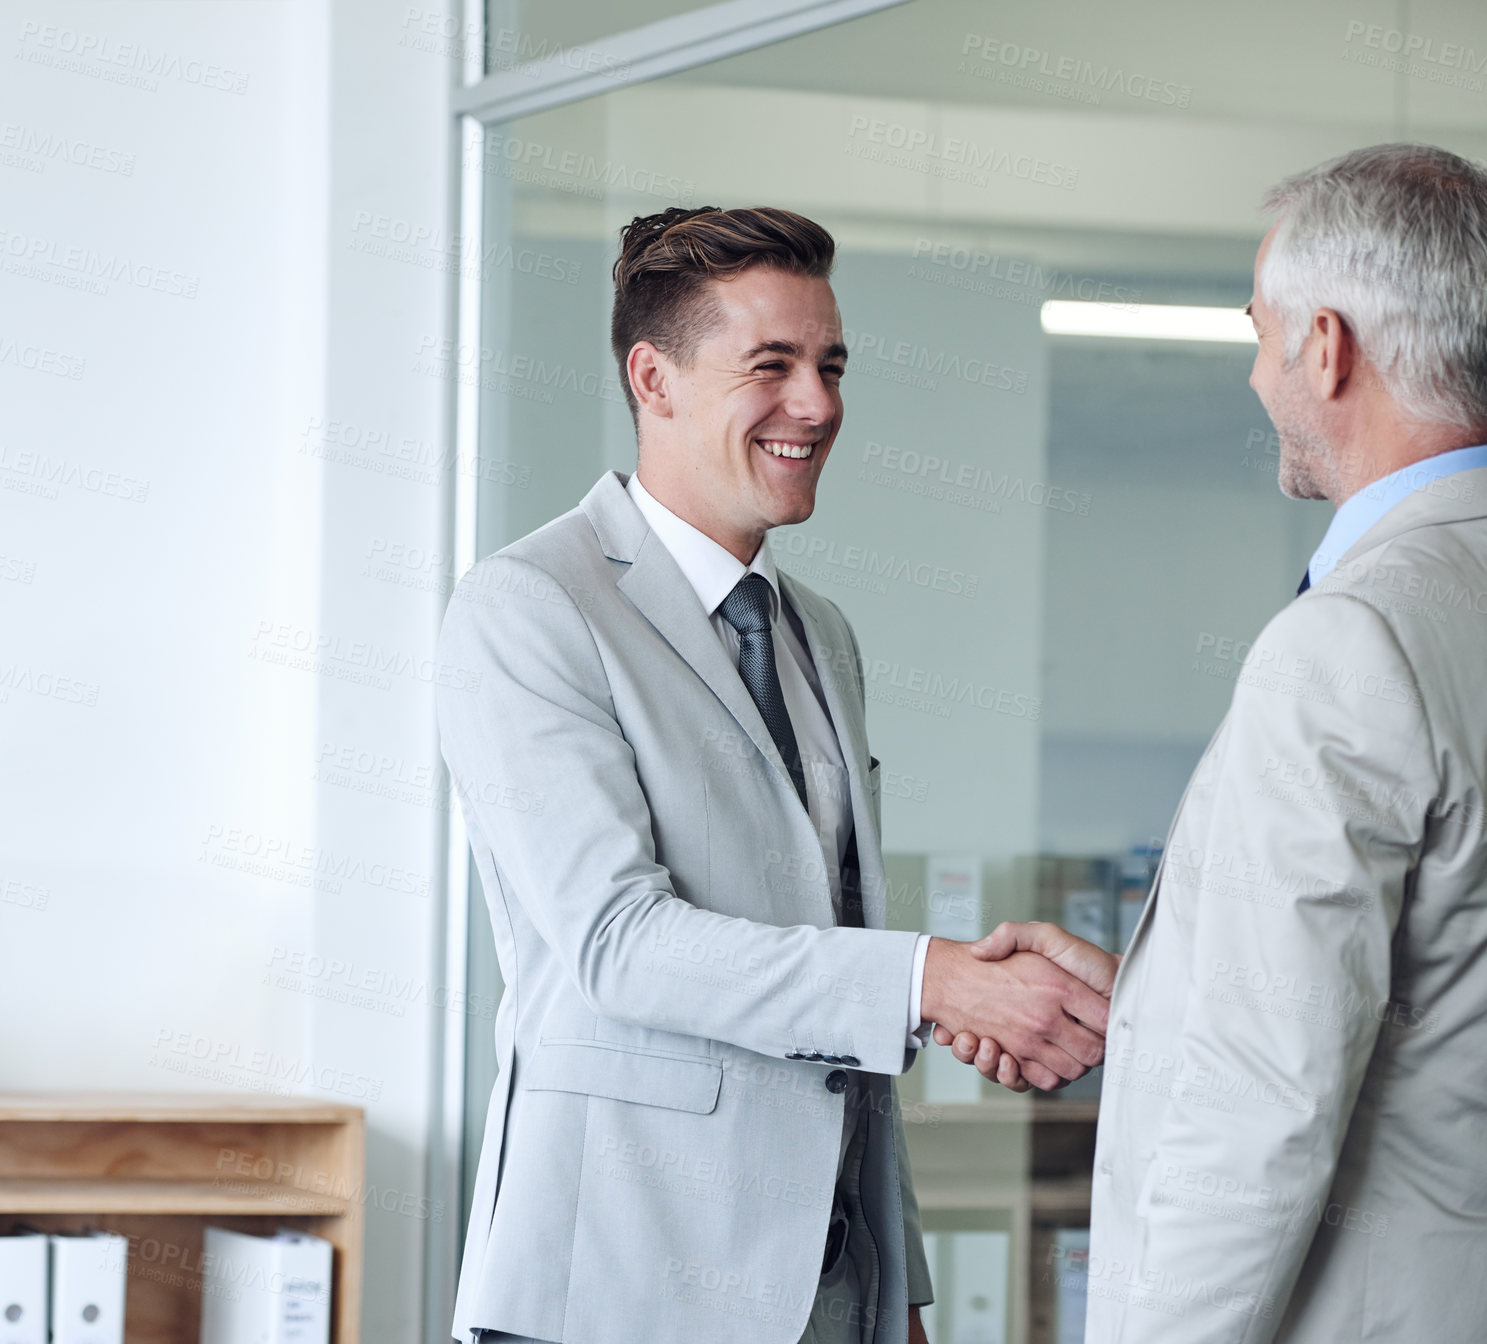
666 260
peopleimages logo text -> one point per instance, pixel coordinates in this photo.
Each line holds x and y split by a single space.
1019 271
48 44
901 146
1075 71
911 358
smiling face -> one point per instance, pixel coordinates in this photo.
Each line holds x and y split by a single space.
1307 465
734 439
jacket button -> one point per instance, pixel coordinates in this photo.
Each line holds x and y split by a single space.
836 1081
851 1061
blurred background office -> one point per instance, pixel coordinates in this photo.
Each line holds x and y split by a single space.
304 304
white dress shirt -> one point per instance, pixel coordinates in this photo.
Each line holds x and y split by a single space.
713 573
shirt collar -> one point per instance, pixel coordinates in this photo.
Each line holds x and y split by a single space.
711 569
1360 512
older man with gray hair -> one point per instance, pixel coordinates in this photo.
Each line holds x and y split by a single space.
1294 1120
1292 1131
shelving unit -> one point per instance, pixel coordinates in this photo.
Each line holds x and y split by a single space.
1029 1158
158 1168
1006 1162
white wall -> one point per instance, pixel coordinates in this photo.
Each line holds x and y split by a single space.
170 531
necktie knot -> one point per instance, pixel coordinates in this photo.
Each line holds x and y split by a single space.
746 608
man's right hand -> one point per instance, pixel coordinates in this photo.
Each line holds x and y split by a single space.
1048 1019
1081 959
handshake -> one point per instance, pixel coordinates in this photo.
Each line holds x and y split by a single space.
1028 1004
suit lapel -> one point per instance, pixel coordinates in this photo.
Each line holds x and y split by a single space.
847 719
663 596
655 585
658 589
851 731
1424 508
1148 910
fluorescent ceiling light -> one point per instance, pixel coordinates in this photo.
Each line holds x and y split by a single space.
1147 321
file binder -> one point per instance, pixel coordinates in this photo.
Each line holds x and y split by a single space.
305 1311
1071 1252
87 1291
265 1290
23 1304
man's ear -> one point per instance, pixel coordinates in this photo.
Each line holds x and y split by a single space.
649 372
1334 357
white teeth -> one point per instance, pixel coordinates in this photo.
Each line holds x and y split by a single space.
782 449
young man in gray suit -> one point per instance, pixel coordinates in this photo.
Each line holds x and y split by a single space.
1293 1132
666 780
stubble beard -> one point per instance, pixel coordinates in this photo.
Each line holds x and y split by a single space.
1308 467
1303 467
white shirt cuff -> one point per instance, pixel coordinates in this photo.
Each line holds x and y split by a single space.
918 1030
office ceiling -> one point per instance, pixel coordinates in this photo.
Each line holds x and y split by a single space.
1274 61
1277 61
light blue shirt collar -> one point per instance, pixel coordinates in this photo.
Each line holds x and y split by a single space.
1361 511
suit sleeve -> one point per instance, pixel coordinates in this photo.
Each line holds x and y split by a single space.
531 717
1315 803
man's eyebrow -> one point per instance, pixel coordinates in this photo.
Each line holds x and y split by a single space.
836 352
774 348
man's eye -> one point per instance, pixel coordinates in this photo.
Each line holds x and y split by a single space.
832 373
773 364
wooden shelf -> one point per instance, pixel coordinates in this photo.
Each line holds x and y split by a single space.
161 1196
158 1169
1048 1198
1061 1197
172 1108
1001 1111
936 1192
1030 1158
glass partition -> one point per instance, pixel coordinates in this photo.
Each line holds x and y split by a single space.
1052 548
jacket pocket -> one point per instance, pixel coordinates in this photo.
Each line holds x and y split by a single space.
597 1069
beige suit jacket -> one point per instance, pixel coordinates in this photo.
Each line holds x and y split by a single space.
1293 1131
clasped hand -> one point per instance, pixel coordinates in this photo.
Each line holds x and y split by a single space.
1028 1005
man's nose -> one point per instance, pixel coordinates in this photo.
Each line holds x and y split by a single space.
810 399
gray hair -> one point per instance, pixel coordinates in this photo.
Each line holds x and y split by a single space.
1394 239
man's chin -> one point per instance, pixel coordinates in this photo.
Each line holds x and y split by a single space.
1296 484
1306 467
793 510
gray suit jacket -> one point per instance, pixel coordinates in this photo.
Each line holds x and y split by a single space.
1293 1131
659 1160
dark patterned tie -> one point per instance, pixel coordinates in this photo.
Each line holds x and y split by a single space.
746 609
1305 582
